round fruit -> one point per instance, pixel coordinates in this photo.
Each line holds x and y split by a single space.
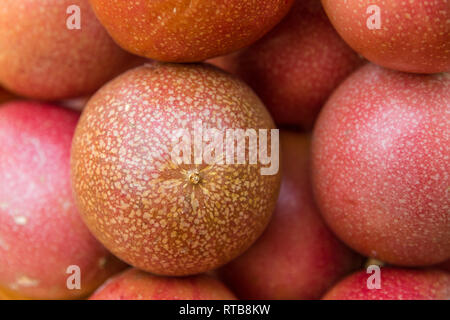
411 36
160 213
311 258
133 284
188 31
41 231
396 284
40 57
296 66
381 168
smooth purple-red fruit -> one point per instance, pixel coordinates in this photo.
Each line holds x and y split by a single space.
410 36
41 230
133 284
41 58
297 257
188 31
296 66
153 211
395 284
381 165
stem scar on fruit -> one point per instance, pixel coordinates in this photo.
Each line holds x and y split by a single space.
194 177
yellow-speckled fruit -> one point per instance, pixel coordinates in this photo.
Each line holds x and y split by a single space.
153 212
187 30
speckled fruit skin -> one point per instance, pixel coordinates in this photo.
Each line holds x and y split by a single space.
414 35
396 284
41 231
133 284
297 257
188 31
380 165
42 59
296 66
140 203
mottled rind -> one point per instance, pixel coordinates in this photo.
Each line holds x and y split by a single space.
413 35
396 284
133 284
188 30
296 66
381 165
42 59
41 231
148 210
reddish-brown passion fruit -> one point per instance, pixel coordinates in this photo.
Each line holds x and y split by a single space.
158 214
410 36
188 31
43 56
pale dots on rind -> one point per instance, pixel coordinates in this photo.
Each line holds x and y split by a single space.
192 218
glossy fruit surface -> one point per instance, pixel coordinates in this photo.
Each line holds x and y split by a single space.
41 58
411 36
159 214
133 284
188 31
381 165
297 257
41 231
396 284
296 66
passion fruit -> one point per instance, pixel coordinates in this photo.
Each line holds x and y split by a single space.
41 231
155 212
188 31
42 58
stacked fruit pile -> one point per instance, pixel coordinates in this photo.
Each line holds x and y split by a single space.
174 181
